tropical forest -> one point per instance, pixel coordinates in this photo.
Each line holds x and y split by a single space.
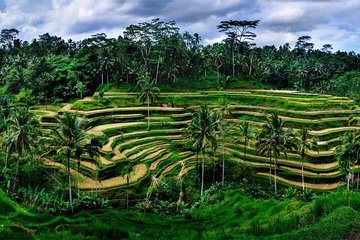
155 134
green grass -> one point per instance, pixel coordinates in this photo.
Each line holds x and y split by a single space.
235 216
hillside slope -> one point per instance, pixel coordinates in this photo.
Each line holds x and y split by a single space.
119 121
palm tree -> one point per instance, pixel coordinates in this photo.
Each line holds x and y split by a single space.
223 112
245 133
274 139
148 94
304 143
21 135
347 154
202 131
128 170
69 139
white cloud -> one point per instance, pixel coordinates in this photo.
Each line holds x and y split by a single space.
327 21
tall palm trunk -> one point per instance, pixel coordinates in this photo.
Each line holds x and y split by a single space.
245 149
107 76
202 174
127 192
223 166
233 61
157 69
148 103
357 181
302 172
69 177
270 167
17 167
302 175
102 78
275 176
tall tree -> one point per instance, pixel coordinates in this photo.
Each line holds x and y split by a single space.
21 135
8 37
305 143
202 132
347 154
69 139
275 139
148 93
244 131
224 112
238 32
303 45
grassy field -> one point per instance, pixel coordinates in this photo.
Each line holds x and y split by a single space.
233 216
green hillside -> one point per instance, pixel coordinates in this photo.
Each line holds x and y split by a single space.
118 121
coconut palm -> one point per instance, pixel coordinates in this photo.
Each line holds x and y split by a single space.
148 95
274 140
21 135
347 154
305 143
244 131
202 131
128 171
70 139
223 112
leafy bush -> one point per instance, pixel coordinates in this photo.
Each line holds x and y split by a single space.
290 193
39 200
328 203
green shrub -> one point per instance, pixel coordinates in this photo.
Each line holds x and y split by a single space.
328 203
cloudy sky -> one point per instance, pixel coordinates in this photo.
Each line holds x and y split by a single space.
326 21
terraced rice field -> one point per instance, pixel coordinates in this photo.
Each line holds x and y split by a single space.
161 150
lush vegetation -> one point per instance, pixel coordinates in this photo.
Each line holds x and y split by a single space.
92 128
49 68
334 216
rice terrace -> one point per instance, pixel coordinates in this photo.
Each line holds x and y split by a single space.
194 128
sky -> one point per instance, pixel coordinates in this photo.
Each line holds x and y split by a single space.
281 21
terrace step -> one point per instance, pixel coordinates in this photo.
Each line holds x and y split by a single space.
154 165
311 166
155 154
289 169
321 187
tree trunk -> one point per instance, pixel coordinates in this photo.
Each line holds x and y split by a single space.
245 149
197 163
148 102
302 175
107 76
157 69
223 166
69 177
202 174
275 176
214 169
357 181
233 61
270 167
17 171
127 193
102 78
